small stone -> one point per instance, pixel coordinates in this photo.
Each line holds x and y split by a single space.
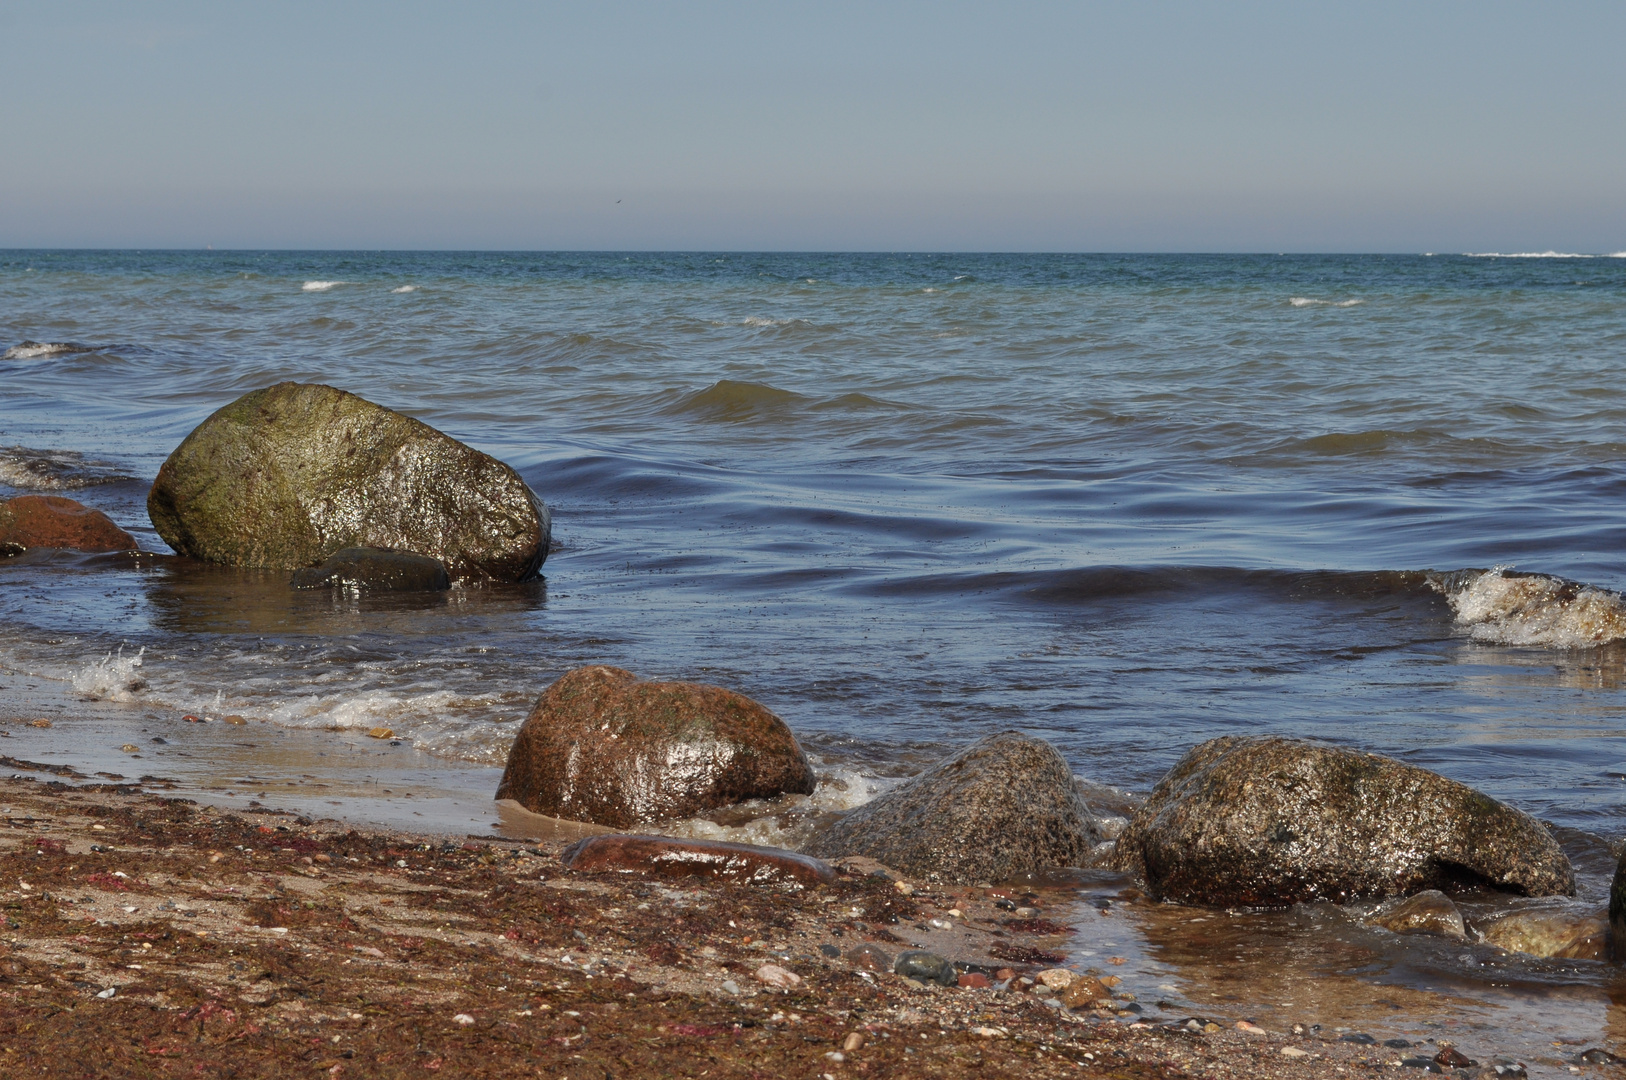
109 992
1359 1038
1600 1056
130 748
988 1032
1084 991
925 966
731 987
1250 1029
1451 1058
855 1041
1294 1052
1026 912
1562 934
1110 980
1041 990
234 719
871 956
463 1018
40 723
1428 912
381 733
829 950
1056 978
904 887
1426 1064
836 1055
776 976
974 980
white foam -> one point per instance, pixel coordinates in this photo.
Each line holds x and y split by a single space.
321 286
1527 255
112 678
33 350
403 288
1538 610
53 470
1306 301
786 822
758 320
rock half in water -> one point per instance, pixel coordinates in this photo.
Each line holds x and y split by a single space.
375 570
286 476
50 521
1428 912
1272 822
1005 805
1566 935
601 745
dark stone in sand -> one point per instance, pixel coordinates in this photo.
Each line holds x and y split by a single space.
1566 935
1428 912
870 955
665 857
923 966
1426 1064
1005 805
1359 1038
1599 1056
601 745
286 476
375 570
1272 821
50 521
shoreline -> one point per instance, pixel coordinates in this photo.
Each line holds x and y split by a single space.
252 943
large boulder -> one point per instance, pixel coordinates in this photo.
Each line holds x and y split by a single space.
50 521
1274 821
601 745
1005 805
286 476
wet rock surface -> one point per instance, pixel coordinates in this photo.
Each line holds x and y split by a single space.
375 570
1561 934
1428 912
286 476
665 857
604 746
1617 912
925 967
50 521
1005 805
1273 822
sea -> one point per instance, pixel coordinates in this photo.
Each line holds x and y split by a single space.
1124 503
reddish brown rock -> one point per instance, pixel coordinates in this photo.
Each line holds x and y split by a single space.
50 521
662 856
604 746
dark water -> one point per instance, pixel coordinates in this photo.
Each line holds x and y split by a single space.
1126 503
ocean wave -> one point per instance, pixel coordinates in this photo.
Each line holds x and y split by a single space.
399 289
788 821
35 350
321 286
1306 301
54 470
762 321
1506 608
1527 255
731 399
114 677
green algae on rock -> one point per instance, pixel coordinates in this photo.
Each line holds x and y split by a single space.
604 746
1005 805
286 476
1274 821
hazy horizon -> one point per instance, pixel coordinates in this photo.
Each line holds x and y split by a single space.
905 127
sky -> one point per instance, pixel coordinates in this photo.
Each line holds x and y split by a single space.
1242 126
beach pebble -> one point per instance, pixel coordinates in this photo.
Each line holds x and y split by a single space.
1294 1052
923 966
1003 806
285 476
1083 991
1248 1028
1269 821
870 956
1056 978
1599 1056
1426 1064
1359 1038
50 521
974 980
463 1018
1450 1057
854 1041
829 950
381 733
732 987
604 746
666 857
776 976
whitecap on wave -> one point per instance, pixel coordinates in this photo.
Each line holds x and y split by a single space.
35 350
321 286
1527 255
400 289
1505 608
1306 301
54 470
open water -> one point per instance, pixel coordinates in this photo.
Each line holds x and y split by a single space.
1126 503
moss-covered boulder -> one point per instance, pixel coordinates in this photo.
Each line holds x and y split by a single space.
1273 821
604 746
286 476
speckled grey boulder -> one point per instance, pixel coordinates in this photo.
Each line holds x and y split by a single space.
1005 805
1272 821
286 476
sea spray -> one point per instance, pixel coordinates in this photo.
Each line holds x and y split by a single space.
1506 608
114 677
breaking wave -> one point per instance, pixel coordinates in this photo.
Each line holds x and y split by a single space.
35 350
115 677
54 470
398 289
1506 608
1306 301
321 286
1527 255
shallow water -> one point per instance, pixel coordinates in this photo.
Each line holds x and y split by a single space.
1125 503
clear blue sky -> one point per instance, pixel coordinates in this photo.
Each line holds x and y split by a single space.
1085 127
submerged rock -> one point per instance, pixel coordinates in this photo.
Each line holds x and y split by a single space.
1005 805
1273 821
1428 912
601 745
286 476
375 570
1562 934
664 856
50 521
